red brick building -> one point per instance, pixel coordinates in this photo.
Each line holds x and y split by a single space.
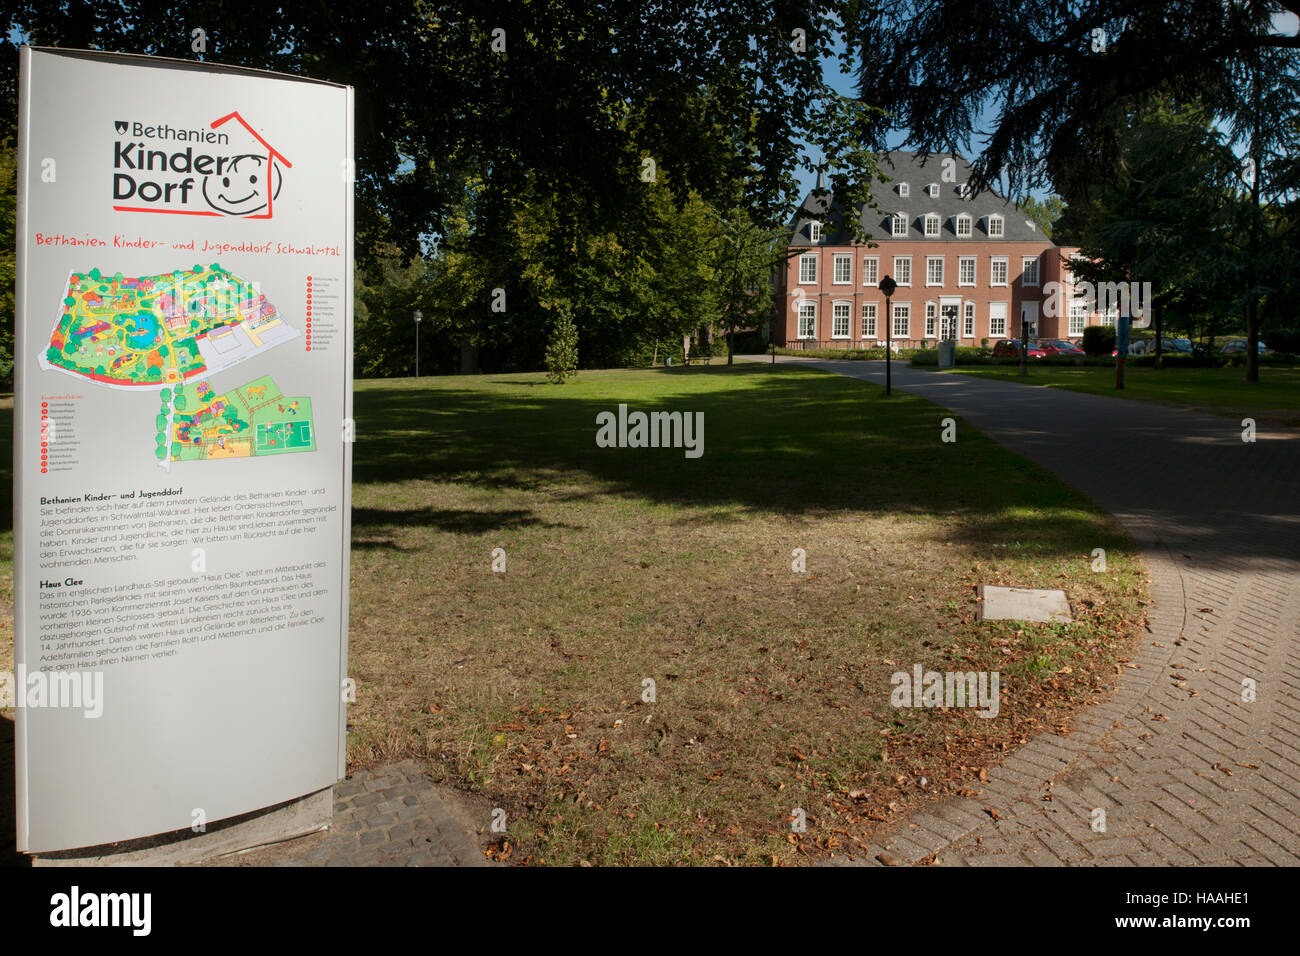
979 258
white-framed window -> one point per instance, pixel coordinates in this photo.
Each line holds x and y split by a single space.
904 190
842 269
1111 315
807 320
869 310
932 225
900 224
998 271
871 270
840 320
933 190
815 231
1029 270
931 317
903 270
962 226
934 270
902 320
995 227
963 190
998 319
1078 317
808 268
966 270
968 320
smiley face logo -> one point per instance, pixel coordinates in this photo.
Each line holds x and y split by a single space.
245 185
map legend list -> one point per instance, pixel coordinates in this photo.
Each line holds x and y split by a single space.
322 312
60 446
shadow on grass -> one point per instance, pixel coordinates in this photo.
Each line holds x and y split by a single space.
782 441
457 520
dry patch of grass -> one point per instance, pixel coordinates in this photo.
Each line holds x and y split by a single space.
771 688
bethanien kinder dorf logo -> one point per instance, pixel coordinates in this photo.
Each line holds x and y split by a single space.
231 172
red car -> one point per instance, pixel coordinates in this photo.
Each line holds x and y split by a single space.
1061 347
1010 348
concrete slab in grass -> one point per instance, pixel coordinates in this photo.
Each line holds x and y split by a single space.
1023 604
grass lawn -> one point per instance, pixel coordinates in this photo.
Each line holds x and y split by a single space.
771 688
1220 391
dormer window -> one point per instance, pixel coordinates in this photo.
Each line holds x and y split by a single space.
995 227
900 224
815 231
963 225
932 226
963 190
904 190
933 190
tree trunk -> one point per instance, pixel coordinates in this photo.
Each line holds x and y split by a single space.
1252 306
1160 339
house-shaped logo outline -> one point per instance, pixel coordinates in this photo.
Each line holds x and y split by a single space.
272 155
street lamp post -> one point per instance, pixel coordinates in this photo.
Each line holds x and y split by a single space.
418 316
887 286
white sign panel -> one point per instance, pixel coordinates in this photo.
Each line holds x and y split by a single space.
182 444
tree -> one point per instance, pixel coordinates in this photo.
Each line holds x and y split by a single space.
1170 217
441 95
1063 78
746 257
562 351
1044 212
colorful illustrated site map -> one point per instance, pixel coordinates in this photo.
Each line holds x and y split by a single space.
172 333
151 331
198 424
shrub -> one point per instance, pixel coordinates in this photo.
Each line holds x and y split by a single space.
562 349
1283 340
1178 360
1099 339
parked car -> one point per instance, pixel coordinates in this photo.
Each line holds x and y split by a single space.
1182 347
1238 347
1060 347
1010 348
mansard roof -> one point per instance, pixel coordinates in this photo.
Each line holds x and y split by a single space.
918 172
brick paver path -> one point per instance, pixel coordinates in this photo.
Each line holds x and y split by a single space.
1186 772
392 816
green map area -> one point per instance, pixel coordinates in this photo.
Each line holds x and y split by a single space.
170 333
195 423
160 329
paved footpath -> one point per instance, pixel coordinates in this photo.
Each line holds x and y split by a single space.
391 816
1186 772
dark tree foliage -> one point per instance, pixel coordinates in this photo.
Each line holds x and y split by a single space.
440 102
1060 76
